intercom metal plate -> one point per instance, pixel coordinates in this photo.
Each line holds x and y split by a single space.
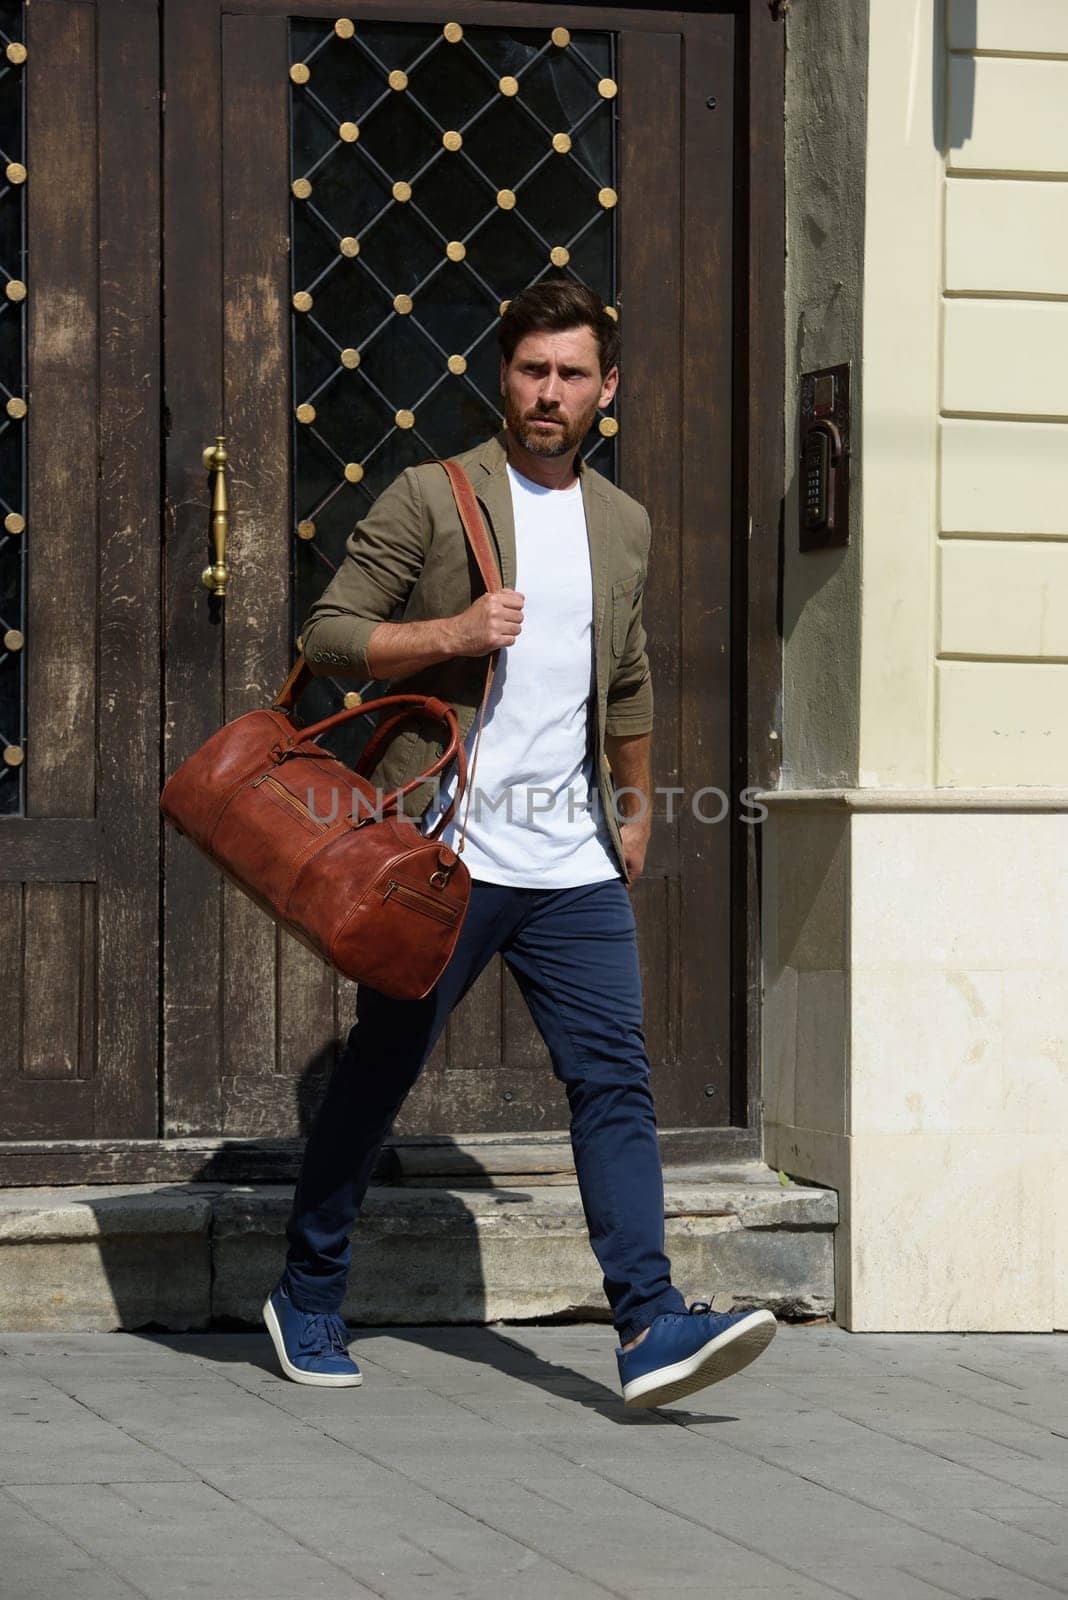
823 459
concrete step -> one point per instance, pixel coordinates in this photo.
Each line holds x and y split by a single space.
186 1256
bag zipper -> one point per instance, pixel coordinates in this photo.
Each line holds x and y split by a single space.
291 800
416 900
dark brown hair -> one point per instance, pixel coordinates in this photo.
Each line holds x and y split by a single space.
553 306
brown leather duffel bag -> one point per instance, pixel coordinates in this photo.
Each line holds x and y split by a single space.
316 846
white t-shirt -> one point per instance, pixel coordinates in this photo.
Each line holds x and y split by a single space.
534 819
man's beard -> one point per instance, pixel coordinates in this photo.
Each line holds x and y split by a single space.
547 441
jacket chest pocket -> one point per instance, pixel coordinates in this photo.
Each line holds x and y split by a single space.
623 593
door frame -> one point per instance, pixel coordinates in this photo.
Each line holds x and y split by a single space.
758 459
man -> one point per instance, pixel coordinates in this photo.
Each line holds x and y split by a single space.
550 864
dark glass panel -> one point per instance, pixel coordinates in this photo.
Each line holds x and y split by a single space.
10 114
395 44
305 33
403 448
592 255
313 133
456 309
345 80
10 337
451 85
314 246
484 367
398 137
596 49
505 255
600 453
559 90
400 249
558 199
349 305
505 143
506 52
349 414
319 474
316 357
348 192
401 363
455 415
593 146
334 520
454 196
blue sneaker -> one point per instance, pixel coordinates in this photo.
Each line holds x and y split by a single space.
687 1350
312 1346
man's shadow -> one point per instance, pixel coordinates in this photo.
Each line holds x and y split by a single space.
482 1347
247 1245
505 1352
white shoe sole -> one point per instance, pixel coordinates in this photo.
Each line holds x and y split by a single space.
320 1380
723 1356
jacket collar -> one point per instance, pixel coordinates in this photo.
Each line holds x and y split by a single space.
493 489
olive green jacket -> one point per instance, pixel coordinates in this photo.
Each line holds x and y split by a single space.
408 560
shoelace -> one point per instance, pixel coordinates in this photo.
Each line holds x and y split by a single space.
325 1333
698 1308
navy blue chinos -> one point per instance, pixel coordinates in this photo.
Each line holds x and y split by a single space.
574 954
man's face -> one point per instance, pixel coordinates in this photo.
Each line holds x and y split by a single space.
552 390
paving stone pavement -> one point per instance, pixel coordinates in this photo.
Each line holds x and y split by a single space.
500 1464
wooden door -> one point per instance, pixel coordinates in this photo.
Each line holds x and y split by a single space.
79 571
307 300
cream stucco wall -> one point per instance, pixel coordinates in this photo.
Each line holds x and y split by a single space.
916 917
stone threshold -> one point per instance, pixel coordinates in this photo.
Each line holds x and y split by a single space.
1022 798
197 1255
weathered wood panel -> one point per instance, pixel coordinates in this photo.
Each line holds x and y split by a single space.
706 638
52 981
194 620
759 477
650 386
129 642
64 405
48 848
650 413
256 410
11 1012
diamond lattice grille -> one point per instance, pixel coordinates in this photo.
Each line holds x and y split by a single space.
436 172
12 410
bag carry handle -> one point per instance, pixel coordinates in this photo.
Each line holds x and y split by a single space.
414 705
300 675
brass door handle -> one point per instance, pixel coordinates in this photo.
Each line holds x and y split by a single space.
215 459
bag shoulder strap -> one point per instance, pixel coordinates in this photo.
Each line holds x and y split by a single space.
475 529
474 526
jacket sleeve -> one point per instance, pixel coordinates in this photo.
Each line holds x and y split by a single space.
630 692
384 556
